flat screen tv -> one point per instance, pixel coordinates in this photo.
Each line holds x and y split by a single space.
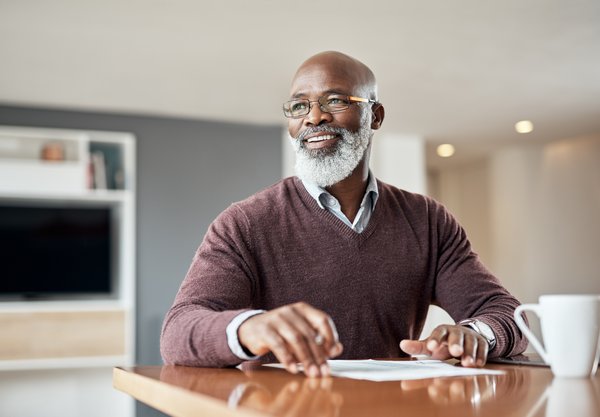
52 251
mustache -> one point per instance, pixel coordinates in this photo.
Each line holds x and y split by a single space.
329 129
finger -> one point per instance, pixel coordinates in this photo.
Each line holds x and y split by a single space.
475 349
325 344
323 366
317 349
415 347
334 347
322 323
470 349
437 338
300 338
456 338
441 353
421 347
481 355
276 344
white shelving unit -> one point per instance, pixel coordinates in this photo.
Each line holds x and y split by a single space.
97 332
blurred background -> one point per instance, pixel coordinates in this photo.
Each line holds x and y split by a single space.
197 88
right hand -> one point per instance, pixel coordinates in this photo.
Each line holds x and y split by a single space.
294 333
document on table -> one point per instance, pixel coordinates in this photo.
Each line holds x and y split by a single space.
376 370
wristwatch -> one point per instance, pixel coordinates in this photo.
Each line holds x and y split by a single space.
481 328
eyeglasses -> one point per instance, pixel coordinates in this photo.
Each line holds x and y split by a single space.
331 103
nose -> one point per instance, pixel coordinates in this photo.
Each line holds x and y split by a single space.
316 115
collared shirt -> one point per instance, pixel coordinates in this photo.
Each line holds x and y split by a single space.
328 202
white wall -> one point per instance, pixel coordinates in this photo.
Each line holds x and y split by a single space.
545 217
465 192
400 160
537 225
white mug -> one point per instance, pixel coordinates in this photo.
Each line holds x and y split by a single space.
570 329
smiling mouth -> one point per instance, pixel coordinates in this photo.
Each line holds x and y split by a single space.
321 138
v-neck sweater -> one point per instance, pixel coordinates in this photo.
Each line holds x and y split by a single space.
279 247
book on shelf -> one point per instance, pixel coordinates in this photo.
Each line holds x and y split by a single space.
106 166
99 170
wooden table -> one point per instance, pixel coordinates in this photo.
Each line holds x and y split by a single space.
260 391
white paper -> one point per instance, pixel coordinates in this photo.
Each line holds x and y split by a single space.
374 370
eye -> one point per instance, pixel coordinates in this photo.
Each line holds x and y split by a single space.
298 106
337 101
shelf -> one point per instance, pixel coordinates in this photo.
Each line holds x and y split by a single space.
84 161
92 334
68 177
54 333
83 334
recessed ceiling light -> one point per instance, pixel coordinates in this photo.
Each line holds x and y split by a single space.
524 126
445 150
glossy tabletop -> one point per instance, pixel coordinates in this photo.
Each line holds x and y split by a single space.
261 391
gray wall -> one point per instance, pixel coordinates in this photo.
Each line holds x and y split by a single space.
187 172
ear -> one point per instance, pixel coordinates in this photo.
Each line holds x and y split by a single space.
378 116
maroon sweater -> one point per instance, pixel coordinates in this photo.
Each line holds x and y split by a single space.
279 247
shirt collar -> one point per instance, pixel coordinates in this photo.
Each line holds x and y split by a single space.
318 192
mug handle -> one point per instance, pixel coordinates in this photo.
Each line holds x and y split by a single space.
534 308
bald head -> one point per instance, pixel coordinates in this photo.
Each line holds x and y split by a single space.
332 143
338 66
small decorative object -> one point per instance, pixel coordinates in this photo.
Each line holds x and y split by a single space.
53 151
99 170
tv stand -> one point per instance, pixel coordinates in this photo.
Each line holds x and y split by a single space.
72 338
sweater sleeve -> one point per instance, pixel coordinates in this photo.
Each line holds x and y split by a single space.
465 288
218 286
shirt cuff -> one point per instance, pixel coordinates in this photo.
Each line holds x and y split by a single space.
232 334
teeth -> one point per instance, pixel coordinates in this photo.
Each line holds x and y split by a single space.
320 138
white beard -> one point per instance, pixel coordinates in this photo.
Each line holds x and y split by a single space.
327 167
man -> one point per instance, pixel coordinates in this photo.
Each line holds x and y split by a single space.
335 250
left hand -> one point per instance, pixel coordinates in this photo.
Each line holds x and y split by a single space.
451 341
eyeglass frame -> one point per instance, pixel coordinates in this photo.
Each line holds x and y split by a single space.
351 99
